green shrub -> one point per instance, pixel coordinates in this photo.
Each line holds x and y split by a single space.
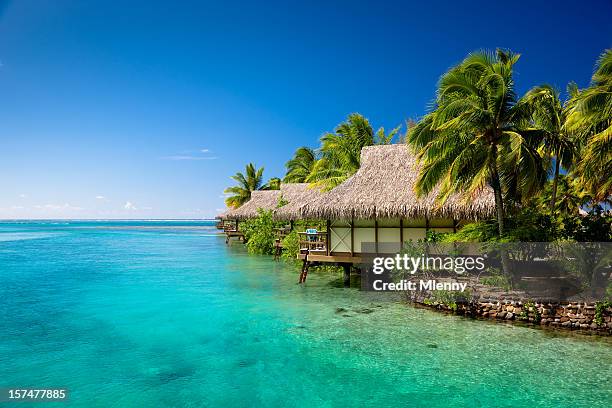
291 246
533 225
259 233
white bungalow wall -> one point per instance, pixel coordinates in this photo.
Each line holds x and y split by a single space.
388 231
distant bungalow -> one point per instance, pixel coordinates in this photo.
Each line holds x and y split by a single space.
378 205
295 195
292 195
264 199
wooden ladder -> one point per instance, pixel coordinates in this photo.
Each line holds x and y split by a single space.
305 266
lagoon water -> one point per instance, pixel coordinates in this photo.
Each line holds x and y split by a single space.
164 314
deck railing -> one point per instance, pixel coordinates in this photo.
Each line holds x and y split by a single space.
281 233
313 241
229 227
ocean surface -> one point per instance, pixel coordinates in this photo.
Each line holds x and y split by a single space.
164 314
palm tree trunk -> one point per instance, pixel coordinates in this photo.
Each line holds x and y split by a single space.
496 185
499 207
554 186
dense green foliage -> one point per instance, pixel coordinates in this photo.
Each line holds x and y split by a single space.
531 225
300 166
291 246
480 133
590 119
473 137
259 233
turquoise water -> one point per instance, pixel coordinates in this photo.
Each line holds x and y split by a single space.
160 314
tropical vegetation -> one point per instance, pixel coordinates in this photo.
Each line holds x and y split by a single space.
590 118
339 155
247 182
480 133
548 159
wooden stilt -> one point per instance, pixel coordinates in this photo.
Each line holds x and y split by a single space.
346 275
278 249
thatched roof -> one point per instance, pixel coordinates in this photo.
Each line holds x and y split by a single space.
296 194
383 187
264 199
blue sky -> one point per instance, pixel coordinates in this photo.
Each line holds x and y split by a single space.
144 109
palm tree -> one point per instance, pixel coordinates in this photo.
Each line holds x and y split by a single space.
383 138
272 184
571 196
549 117
300 166
341 152
472 138
251 180
590 116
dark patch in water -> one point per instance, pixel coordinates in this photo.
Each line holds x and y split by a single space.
172 375
246 363
340 310
346 315
432 346
365 311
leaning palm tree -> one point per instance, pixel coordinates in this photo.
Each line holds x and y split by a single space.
472 136
300 166
341 152
590 116
549 117
250 181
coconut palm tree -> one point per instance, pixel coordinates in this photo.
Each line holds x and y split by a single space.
472 136
300 166
571 196
383 138
590 116
273 184
340 152
549 117
251 180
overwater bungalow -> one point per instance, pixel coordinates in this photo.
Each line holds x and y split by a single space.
378 205
220 220
293 195
260 199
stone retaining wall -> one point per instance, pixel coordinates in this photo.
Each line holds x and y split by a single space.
568 315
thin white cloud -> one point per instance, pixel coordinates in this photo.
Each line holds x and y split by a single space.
100 197
204 150
129 206
58 207
23 196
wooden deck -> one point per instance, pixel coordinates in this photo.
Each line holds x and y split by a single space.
231 232
332 258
